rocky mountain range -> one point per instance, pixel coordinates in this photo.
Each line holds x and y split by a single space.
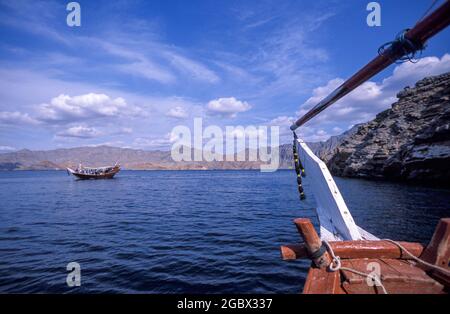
97 156
409 141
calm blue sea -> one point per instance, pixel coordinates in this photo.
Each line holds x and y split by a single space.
181 231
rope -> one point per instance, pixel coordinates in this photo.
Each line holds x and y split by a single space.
418 260
402 49
336 265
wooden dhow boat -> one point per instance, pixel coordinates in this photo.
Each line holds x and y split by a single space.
346 259
86 173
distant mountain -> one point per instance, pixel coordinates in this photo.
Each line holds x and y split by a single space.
105 155
97 156
70 157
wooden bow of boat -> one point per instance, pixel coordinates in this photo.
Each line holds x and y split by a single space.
402 267
346 258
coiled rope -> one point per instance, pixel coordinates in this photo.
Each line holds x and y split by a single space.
402 49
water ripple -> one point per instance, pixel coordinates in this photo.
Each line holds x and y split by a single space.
180 232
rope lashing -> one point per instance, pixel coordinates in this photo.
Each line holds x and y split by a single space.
318 254
401 49
299 169
336 265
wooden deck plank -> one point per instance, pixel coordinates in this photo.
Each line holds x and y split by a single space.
320 281
397 276
356 249
408 270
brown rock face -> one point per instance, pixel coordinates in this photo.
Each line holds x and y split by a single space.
410 141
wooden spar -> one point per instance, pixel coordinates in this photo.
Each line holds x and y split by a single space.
419 34
312 242
356 249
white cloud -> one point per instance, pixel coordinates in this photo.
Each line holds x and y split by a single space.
364 103
283 122
408 73
7 148
177 112
87 106
308 133
227 107
16 117
370 98
80 131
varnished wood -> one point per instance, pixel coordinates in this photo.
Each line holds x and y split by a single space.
397 276
356 249
312 241
399 273
438 250
320 281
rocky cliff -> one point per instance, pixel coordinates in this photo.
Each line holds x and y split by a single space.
410 141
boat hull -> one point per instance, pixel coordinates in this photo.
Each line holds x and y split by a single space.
84 176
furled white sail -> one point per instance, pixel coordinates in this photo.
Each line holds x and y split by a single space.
336 221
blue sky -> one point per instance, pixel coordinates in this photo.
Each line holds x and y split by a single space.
136 69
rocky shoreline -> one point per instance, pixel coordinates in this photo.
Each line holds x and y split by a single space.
410 141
